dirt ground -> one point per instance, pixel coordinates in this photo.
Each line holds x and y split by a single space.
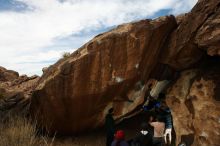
97 137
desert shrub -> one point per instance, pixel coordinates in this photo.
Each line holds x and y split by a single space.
66 54
18 131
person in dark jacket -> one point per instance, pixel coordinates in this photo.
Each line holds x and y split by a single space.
110 127
119 139
165 113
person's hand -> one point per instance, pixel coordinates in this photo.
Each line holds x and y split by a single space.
168 131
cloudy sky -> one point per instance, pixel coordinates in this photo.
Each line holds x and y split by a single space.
35 33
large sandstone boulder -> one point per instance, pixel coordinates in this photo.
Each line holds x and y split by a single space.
208 36
197 30
114 69
194 100
111 70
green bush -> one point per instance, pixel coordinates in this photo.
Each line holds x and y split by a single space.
66 54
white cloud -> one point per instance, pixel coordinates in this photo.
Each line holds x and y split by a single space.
25 36
180 7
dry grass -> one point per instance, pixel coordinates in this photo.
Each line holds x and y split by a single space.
93 139
18 131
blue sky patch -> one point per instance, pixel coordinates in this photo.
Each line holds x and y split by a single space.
12 5
162 12
76 40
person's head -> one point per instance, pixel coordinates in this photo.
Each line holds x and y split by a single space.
119 135
144 126
111 110
158 118
160 110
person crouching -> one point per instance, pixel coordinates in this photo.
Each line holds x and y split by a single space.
119 139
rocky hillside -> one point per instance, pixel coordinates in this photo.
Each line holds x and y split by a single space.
15 90
116 67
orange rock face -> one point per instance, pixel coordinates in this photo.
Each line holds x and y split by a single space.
208 36
74 94
197 30
115 68
194 100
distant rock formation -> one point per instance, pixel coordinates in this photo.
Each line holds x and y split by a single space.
114 69
15 90
7 75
